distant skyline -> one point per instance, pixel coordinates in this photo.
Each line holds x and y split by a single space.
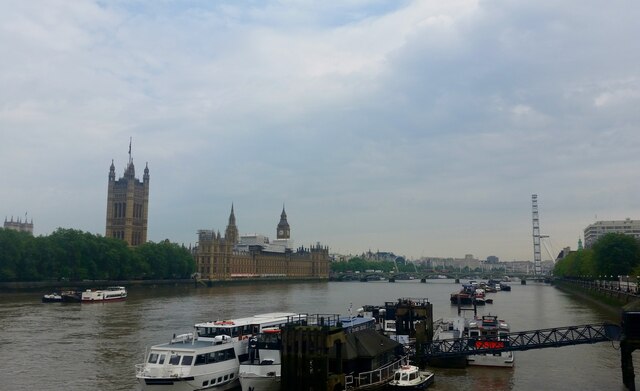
415 127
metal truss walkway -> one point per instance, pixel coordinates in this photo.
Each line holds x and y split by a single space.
522 340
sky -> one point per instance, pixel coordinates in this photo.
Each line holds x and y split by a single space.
415 127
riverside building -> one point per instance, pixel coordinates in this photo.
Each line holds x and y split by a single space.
598 229
19 225
255 256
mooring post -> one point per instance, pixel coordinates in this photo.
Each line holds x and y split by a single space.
629 342
626 358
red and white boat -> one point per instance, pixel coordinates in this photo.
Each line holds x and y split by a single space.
112 293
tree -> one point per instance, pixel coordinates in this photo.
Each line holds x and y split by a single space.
616 254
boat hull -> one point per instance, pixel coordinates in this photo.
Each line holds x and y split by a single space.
505 360
191 383
256 382
423 385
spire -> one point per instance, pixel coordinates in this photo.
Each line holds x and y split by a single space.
112 171
130 138
232 216
231 233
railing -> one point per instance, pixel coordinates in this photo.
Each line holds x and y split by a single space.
373 378
523 340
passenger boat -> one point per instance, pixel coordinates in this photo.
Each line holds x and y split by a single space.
186 363
449 329
210 357
263 369
489 332
410 377
505 287
112 293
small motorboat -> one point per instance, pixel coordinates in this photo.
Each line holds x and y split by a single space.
410 377
52 297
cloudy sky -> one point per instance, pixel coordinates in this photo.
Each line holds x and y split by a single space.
417 127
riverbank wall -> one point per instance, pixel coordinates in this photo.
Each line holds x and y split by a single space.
607 297
52 285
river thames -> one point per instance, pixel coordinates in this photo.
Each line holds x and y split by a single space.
65 346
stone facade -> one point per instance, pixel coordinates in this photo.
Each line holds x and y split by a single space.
19 225
226 258
128 205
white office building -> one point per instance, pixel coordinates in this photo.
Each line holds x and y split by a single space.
600 228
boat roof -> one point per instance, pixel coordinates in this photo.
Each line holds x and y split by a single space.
255 319
191 346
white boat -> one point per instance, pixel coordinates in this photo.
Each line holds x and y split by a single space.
263 370
410 377
200 364
186 363
489 332
112 293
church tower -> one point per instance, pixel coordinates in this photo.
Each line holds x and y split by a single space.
283 226
128 205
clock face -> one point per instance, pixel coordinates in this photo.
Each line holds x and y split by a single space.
281 232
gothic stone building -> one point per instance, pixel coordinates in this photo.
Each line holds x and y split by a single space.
128 205
253 256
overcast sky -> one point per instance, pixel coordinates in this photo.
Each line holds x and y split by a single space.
416 127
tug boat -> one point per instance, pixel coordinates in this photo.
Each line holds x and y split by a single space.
410 377
112 293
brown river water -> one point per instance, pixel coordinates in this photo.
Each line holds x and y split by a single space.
72 346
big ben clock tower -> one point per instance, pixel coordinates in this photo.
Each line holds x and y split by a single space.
283 226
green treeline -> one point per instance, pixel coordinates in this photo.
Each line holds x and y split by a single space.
72 255
611 256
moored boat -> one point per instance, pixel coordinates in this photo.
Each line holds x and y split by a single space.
410 377
112 293
186 363
262 372
464 296
52 297
61 296
203 364
489 332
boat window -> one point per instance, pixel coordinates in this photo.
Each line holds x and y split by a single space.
161 361
201 359
231 376
220 379
398 376
226 377
153 358
412 376
187 360
174 359
205 383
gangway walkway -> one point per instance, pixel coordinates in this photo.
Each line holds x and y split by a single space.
522 340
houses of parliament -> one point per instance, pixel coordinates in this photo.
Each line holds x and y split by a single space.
235 257
217 257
